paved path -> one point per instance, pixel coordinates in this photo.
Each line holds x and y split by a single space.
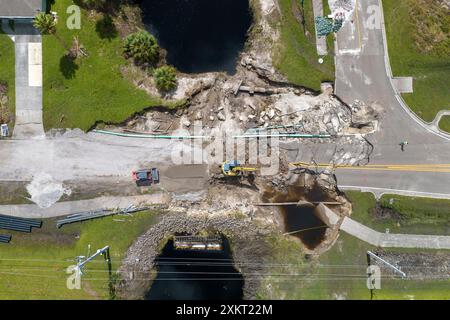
363 73
378 192
71 207
388 240
28 52
435 122
321 42
385 240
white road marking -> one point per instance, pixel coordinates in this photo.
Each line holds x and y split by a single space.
35 64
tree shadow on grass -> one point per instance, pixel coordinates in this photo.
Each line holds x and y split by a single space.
105 28
68 67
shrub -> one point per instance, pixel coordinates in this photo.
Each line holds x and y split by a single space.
95 4
165 78
142 47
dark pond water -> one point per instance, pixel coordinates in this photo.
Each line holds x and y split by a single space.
301 217
196 275
199 35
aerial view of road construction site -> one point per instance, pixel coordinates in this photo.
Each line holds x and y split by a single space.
255 150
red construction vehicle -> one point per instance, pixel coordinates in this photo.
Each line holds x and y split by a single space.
146 177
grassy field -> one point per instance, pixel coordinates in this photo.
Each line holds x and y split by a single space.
431 73
296 55
444 123
79 93
418 210
414 215
341 272
7 69
33 266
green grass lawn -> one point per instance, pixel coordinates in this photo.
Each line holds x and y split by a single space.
341 272
431 73
7 69
417 215
33 266
77 94
444 123
296 55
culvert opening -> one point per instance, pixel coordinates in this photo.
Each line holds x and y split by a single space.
196 275
201 35
301 221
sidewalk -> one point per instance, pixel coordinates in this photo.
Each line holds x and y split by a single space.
388 240
384 240
71 207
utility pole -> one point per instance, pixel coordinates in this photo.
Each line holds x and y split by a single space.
369 274
369 271
371 254
81 262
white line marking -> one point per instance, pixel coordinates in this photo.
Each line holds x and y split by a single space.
35 64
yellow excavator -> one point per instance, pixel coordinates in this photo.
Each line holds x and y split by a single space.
235 169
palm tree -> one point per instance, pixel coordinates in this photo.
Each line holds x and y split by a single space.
165 78
46 24
142 47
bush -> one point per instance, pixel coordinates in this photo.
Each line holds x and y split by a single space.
165 78
142 47
431 23
96 4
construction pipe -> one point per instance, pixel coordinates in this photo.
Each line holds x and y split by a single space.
268 204
244 136
150 136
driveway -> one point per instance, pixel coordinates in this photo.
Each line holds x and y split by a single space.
28 52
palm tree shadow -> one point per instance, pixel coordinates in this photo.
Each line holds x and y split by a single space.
105 28
68 67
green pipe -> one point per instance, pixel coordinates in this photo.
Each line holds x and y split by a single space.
133 135
286 135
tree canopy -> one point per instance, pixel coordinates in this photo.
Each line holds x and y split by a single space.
45 23
142 47
165 78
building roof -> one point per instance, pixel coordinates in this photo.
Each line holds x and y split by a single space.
20 8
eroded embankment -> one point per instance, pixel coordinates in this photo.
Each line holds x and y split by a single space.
247 242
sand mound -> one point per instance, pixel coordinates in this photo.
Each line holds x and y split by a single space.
44 191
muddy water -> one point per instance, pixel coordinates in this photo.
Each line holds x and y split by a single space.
196 275
300 217
199 35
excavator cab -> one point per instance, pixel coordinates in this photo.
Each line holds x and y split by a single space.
235 169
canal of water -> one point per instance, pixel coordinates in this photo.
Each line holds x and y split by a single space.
196 275
199 35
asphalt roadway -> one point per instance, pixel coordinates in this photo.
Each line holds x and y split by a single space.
361 73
